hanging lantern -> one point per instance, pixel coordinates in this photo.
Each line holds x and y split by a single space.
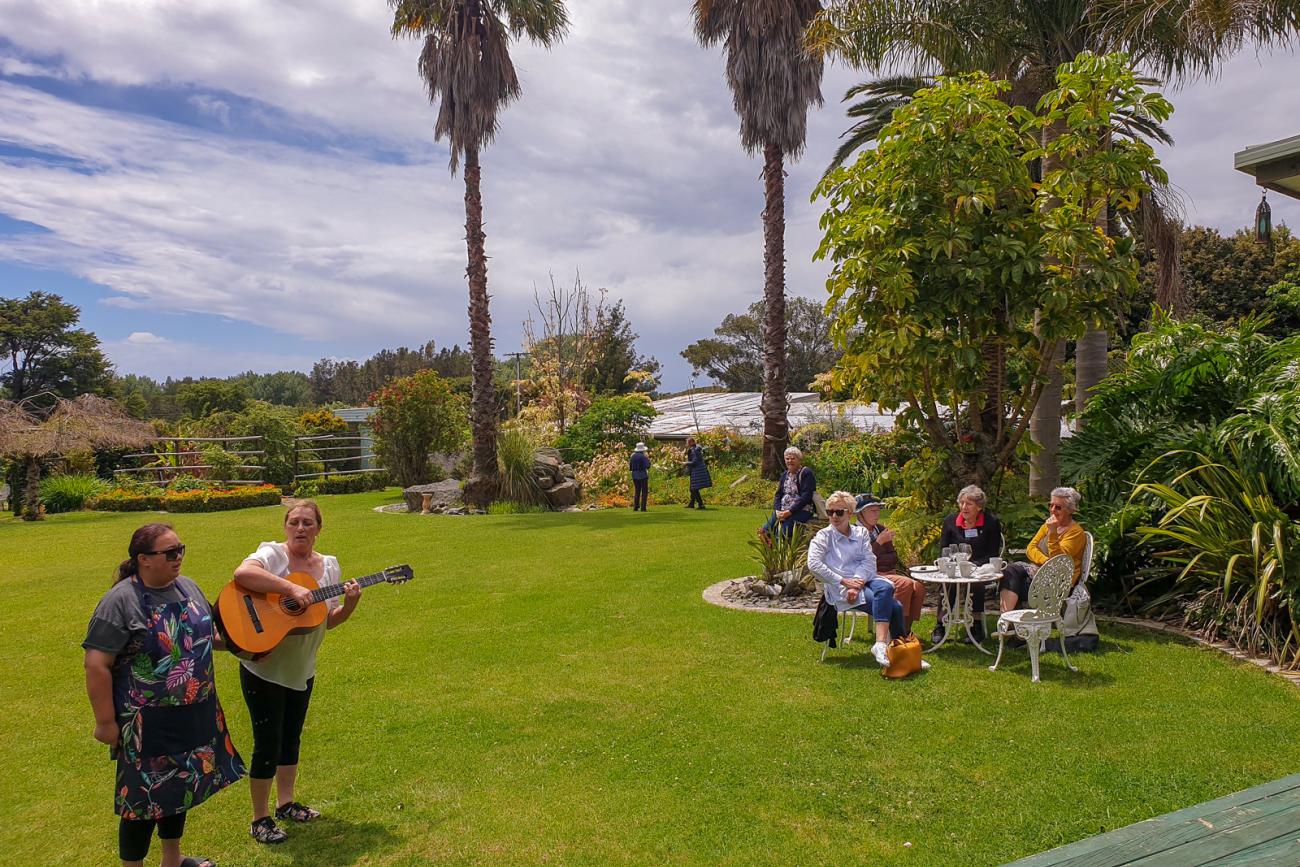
1264 221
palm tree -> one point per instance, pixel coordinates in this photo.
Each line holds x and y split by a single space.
465 63
1024 41
773 82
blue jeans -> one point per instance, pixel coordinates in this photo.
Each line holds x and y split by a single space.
882 606
787 526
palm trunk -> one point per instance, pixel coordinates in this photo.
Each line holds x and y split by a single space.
32 490
775 404
483 417
1045 422
1091 364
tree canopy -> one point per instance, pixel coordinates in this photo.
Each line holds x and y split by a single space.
42 350
733 357
963 275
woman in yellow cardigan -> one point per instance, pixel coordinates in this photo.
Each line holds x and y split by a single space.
1060 534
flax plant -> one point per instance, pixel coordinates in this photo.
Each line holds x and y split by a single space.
1236 549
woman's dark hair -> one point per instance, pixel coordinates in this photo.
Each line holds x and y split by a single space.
142 541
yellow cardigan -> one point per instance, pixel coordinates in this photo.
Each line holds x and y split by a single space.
1071 542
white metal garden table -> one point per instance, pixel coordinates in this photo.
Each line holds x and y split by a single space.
959 613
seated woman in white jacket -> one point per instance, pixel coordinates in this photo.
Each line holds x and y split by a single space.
840 558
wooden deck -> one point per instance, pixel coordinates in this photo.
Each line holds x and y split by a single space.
1257 826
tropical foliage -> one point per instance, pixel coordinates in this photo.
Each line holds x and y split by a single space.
959 275
68 493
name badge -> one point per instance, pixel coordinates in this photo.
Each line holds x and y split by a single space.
972 533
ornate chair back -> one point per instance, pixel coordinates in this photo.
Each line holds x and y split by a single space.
1051 585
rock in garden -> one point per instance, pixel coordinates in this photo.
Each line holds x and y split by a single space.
564 495
446 493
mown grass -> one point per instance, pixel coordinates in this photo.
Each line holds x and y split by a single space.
552 688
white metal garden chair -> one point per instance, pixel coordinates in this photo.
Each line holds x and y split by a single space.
1052 583
851 618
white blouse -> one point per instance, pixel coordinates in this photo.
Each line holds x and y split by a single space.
293 661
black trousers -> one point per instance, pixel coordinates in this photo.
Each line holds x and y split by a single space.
135 835
696 499
640 493
1017 579
277 714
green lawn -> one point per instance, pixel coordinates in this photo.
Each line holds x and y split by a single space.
553 688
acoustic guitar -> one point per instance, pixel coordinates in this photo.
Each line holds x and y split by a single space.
254 623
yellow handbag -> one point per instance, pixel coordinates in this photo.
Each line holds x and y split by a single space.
904 657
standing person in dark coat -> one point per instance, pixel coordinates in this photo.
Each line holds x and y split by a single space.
971 525
699 472
640 465
793 503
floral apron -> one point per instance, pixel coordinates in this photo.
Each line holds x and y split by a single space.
174 750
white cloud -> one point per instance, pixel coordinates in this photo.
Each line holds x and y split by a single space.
145 338
621 159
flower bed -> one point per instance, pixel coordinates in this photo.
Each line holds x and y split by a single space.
121 500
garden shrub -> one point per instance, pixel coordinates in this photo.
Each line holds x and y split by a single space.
866 462
184 482
223 466
724 447
221 500
69 492
190 500
352 483
417 415
609 421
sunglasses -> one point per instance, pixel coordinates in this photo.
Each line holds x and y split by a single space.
835 513
172 554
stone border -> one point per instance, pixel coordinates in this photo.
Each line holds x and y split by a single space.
713 595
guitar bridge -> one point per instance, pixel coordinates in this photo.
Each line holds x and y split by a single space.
252 614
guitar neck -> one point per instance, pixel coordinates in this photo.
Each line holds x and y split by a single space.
329 591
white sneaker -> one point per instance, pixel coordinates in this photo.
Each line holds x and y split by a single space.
925 666
880 651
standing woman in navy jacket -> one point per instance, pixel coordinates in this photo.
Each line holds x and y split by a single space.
699 473
640 466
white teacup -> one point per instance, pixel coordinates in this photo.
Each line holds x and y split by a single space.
997 563
966 568
944 565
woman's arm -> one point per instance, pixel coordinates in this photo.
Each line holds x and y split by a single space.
253 575
817 560
351 596
1035 553
99 687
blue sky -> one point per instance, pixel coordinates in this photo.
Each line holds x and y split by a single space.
223 186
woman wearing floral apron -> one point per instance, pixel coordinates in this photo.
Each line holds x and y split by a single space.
150 681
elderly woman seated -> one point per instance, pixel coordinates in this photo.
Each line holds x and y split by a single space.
909 592
971 525
1060 534
793 503
840 558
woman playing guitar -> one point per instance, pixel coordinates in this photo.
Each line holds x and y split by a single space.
277 686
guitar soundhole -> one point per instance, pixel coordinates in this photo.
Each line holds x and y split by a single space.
292 607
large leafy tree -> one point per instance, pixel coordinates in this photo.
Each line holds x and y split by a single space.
1024 42
961 274
733 356
773 82
466 66
43 350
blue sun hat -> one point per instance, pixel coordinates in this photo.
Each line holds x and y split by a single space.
865 500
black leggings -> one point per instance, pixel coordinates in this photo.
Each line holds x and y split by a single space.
135 835
696 498
277 713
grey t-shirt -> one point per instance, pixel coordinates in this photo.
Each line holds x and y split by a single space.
119 616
